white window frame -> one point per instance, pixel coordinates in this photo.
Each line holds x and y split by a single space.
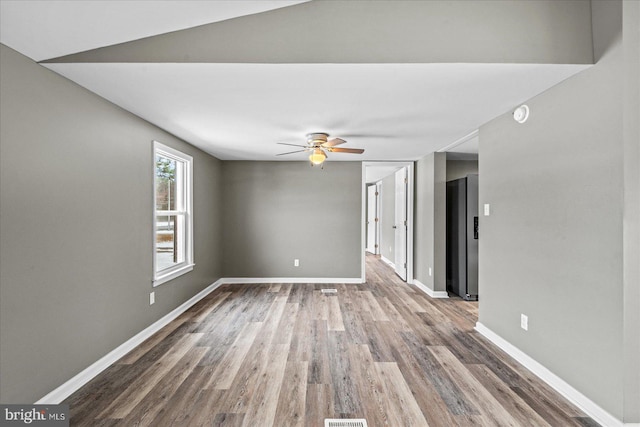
160 277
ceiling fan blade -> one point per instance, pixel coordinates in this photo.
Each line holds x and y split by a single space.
347 150
293 145
334 142
291 152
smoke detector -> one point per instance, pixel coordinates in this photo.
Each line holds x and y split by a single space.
521 114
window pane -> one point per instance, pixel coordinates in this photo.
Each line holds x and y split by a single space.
170 241
165 183
173 240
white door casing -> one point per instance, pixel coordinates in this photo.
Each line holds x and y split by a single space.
372 215
378 214
401 223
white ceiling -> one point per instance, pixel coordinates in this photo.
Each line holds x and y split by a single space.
240 111
393 111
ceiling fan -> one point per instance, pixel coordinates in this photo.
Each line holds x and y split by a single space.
318 143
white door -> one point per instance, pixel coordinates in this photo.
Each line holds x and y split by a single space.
378 214
372 218
401 224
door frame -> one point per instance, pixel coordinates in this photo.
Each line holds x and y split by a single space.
378 211
410 203
400 259
374 225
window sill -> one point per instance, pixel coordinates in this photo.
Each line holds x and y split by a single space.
172 275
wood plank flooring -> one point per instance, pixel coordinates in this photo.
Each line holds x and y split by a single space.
264 355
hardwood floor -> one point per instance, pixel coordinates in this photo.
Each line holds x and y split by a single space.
289 355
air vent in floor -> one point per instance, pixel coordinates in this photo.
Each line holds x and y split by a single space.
329 291
345 423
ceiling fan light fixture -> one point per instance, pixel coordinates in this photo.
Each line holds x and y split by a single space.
318 144
317 157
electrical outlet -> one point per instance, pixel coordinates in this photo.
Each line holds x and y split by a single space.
429 271
152 298
296 262
524 322
487 209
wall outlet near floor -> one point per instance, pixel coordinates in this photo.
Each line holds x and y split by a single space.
152 298
296 262
487 209
524 322
429 271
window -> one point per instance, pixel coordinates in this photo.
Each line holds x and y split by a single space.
173 220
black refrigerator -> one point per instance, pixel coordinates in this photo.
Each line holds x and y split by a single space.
462 237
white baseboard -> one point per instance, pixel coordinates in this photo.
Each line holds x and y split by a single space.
433 294
388 261
69 387
558 384
248 280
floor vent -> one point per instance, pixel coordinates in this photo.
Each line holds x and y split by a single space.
345 423
331 291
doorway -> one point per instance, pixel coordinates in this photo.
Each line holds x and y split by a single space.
396 216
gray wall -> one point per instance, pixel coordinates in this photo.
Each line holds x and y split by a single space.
552 247
631 224
388 217
274 212
430 221
435 31
457 169
76 224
